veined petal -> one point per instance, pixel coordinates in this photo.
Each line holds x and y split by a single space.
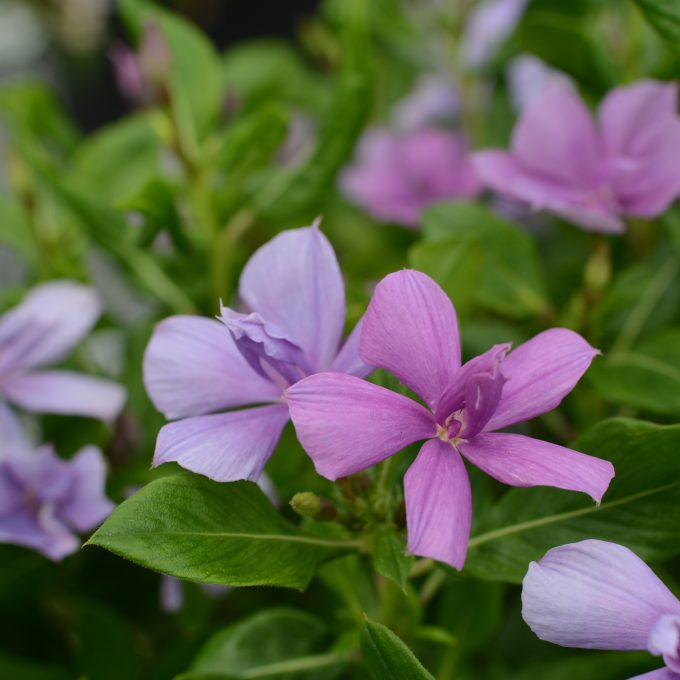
87 504
294 282
47 324
411 330
347 424
438 504
523 461
540 373
556 138
348 359
596 595
192 367
225 447
67 393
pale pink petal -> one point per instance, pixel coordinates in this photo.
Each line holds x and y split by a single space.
596 595
664 640
87 505
348 359
523 461
556 139
47 325
294 282
659 674
225 447
192 367
540 373
67 393
347 424
438 504
411 330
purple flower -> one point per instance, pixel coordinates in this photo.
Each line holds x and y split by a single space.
600 595
45 500
488 25
410 329
527 76
395 176
196 369
560 160
433 100
42 330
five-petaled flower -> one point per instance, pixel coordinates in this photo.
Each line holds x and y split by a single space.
45 500
600 595
42 330
195 369
561 161
410 329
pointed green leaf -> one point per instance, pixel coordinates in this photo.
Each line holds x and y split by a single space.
390 556
188 526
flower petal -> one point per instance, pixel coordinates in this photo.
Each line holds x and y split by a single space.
411 330
67 393
87 505
523 461
348 359
596 595
225 447
438 504
48 323
664 640
659 674
294 282
13 439
192 367
556 139
347 424
540 373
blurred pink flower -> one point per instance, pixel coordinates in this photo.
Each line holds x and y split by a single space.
560 160
395 176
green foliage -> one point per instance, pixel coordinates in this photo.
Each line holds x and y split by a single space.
664 15
193 528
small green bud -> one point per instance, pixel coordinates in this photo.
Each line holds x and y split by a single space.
308 504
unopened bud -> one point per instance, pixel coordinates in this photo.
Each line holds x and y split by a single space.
308 504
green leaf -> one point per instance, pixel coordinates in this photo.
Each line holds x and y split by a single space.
119 159
390 558
275 643
641 509
386 656
646 377
664 15
190 527
511 281
24 669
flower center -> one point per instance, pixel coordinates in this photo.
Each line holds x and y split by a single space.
453 428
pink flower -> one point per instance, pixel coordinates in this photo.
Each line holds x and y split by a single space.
628 164
395 176
600 595
410 329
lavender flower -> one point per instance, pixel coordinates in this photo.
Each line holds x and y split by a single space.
395 175
410 329
196 369
42 330
527 76
45 500
600 595
433 100
627 165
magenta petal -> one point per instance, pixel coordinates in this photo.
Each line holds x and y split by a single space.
87 504
192 367
294 282
347 424
47 325
556 139
348 359
540 373
66 392
225 447
523 461
411 330
438 504
596 595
